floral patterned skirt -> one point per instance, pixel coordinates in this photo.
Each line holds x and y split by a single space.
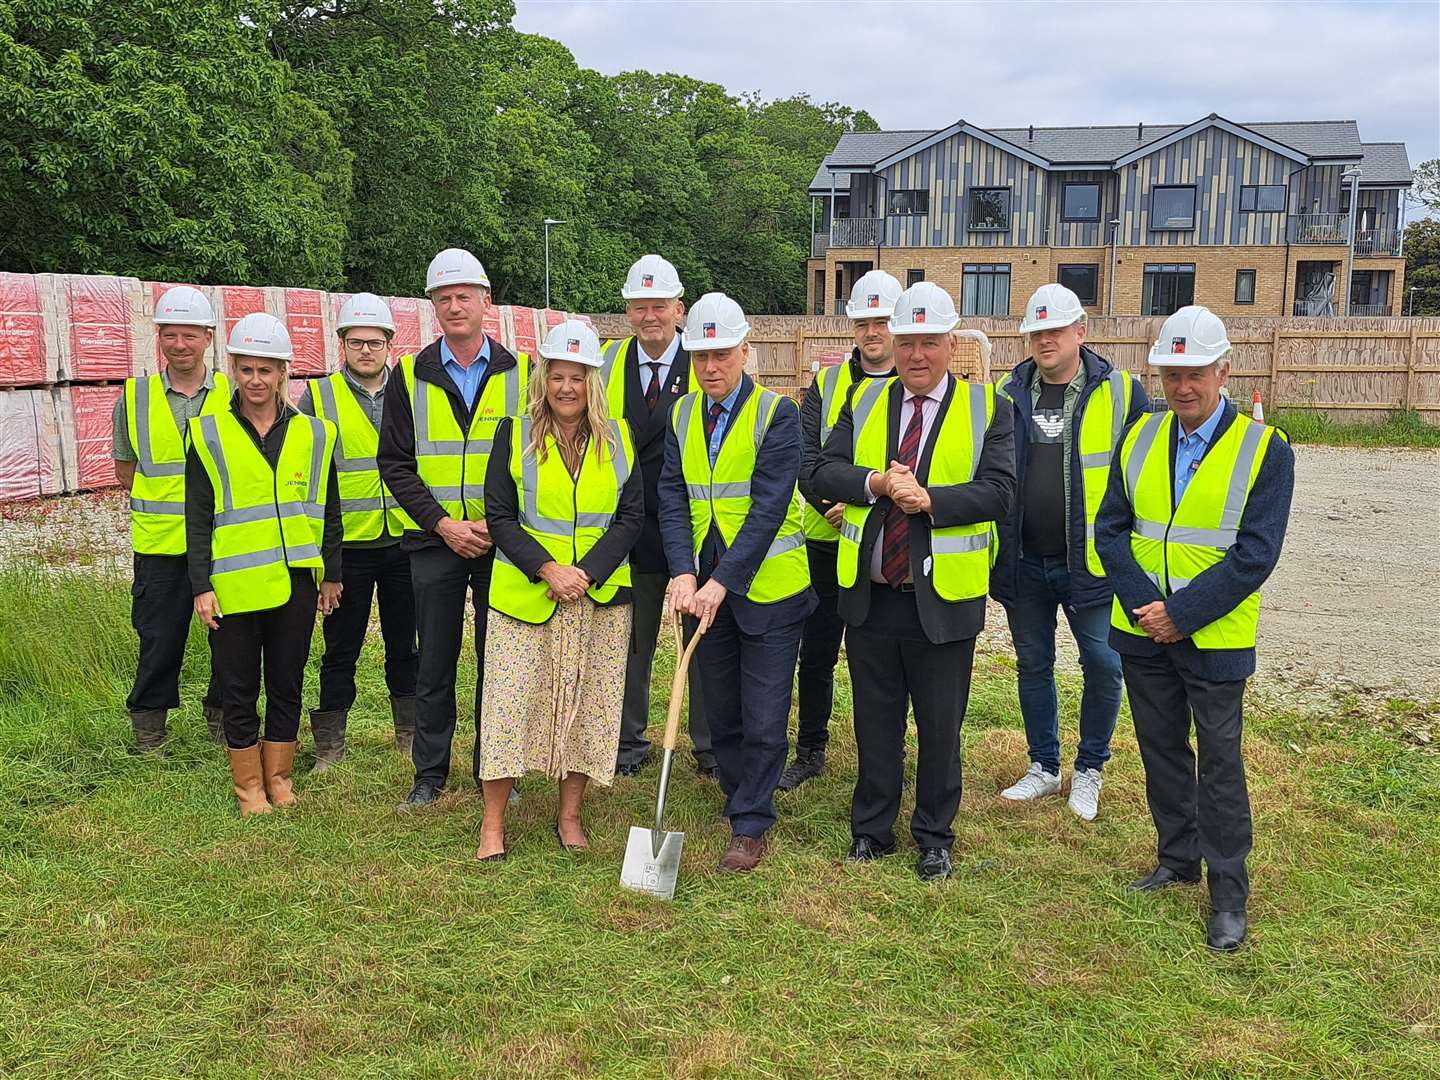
553 692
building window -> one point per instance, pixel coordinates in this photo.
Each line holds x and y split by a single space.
1244 286
1168 288
986 289
1262 198
910 202
914 277
1080 202
1172 207
989 209
1083 279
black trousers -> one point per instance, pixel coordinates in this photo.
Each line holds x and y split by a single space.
893 665
276 642
441 580
647 594
366 572
1197 816
161 606
819 650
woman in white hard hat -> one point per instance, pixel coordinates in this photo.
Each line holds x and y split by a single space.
565 505
263 533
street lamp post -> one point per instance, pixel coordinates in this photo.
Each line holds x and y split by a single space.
1353 175
548 222
1412 299
1114 236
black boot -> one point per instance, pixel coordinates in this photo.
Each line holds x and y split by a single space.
149 727
215 721
402 710
807 765
328 728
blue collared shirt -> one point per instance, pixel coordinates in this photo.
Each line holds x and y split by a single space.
467 380
721 421
1189 449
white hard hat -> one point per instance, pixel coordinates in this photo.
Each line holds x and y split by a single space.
1051 307
261 335
715 322
365 309
455 266
924 308
652 278
572 340
184 305
874 296
1193 337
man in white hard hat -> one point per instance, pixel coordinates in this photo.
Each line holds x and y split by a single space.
644 375
925 465
374 566
730 521
1070 406
872 302
1191 526
150 430
435 438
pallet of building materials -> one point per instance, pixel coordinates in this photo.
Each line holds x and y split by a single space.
312 332
237 301
98 318
525 330
85 415
31 458
29 347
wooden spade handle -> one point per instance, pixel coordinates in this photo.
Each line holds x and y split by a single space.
677 685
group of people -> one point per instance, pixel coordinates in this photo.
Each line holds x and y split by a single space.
568 493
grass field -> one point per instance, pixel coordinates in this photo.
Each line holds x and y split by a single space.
145 931
1404 428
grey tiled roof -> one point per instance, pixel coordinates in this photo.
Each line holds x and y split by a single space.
862 149
1067 144
1385 163
1318 138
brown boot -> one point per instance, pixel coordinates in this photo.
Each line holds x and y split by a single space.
149 728
328 727
249 789
277 759
215 721
744 854
403 711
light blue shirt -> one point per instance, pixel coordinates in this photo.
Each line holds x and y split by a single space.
721 421
1189 449
467 380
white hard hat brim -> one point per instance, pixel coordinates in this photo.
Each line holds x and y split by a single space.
469 279
1184 360
255 354
710 344
185 320
653 294
916 329
588 361
1028 327
856 314
369 324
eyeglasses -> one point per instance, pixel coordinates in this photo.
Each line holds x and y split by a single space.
365 346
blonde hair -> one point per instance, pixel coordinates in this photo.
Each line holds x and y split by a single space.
282 391
542 420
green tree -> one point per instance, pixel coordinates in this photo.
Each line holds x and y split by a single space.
160 139
1426 183
1422 267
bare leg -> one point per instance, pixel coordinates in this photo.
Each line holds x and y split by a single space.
567 821
492 829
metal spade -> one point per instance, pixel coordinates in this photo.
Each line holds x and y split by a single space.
652 856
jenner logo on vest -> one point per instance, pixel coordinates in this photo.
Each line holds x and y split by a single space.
296 482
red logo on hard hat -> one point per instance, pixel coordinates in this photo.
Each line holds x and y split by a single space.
572 344
707 329
647 281
1040 312
1177 346
246 340
872 300
917 315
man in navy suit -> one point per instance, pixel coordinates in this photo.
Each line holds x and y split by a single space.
730 520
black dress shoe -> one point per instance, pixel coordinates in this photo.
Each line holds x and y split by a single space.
864 849
707 772
423 793
934 864
807 765
631 768
1226 930
1162 877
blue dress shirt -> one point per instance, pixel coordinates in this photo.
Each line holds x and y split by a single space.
721 421
1189 449
467 380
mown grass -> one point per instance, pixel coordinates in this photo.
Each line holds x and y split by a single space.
1403 428
146 931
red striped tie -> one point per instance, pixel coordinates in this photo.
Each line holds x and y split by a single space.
895 552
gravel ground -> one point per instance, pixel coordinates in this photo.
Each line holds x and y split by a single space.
1354 606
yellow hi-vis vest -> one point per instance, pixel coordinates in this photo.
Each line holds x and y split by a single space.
157 495
266 520
452 462
1101 425
721 495
612 370
834 383
566 514
960 555
367 508
1174 545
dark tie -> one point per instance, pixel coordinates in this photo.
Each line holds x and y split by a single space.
652 392
711 419
895 553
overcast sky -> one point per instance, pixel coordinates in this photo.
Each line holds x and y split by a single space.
926 65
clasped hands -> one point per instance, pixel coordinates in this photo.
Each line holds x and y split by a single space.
1156 621
468 539
703 602
566 583
899 484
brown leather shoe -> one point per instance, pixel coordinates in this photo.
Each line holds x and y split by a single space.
278 758
249 788
744 854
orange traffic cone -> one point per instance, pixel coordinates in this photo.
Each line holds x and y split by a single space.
1257 410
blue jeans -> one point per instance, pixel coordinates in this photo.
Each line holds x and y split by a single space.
1044 586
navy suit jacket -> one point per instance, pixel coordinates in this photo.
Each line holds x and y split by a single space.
772 487
1217 591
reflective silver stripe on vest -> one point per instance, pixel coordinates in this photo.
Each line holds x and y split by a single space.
157 506
317 455
252 560
361 506
608 356
1098 460
1178 583
978 424
1118 381
423 443
530 484
762 415
734 489
512 392
247 515
1240 479
1149 530
782 544
1138 453
861 406
850 532
211 434
444 493
619 459
1184 534
959 545
144 452
1155 580
828 388
683 411
332 409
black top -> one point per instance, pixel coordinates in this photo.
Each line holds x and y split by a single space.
502 512
200 503
1043 528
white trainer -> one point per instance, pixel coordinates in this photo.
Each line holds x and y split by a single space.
1035 784
1085 793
